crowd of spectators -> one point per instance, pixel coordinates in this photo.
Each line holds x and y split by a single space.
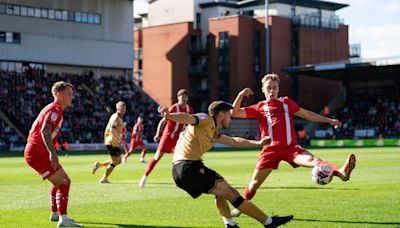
373 113
23 95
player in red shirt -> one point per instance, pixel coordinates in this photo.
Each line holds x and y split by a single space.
41 155
275 117
137 140
170 134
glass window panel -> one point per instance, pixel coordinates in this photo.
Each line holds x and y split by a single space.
64 15
2 8
84 17
9 9
9 37
31 12
52 13
90 18
45 13
24 11
16 10
97 19
37 12
71 16
78 17
58 14
2 37
17 38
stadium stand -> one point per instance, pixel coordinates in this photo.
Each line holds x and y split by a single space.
367 114
23 95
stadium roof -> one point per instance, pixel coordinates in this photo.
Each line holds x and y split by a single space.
354 69
246 3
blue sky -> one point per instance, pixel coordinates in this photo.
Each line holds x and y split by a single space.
375 24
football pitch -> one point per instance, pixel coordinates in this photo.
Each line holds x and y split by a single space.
370 199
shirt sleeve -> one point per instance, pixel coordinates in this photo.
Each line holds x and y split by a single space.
53 117
252 111
293 107
203 119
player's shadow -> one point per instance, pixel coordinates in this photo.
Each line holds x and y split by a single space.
347 222
302 188
104 224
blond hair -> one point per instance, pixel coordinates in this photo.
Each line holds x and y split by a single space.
120 104
60 86
273 77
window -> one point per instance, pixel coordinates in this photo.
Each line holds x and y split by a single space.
64 15
31 12
97 19
58 15
84 17
24 11
37 12
90 18
78 17
45 13
2 37
198 20
71 16
52 14
9 9
223 40
9 37
2 9
16 10
16 38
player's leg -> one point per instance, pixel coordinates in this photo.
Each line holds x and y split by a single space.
61 182
132 148
115 160
224 211
256 181
53 203
150 166
143 153
226 191
307 159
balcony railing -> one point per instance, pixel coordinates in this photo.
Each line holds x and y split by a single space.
198 49
202 70
139 54
354 50
138 75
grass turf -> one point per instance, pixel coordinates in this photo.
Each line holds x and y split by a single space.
370 199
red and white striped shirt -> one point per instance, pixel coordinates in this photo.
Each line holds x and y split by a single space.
173 129
137 132
275 119
52 115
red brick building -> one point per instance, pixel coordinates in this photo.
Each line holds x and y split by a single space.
216 48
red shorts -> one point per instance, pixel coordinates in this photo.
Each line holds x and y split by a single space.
135 144
167 144
272 155
38 158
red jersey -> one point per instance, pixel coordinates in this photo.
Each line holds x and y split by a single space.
173 129
275 119
137 132
52 115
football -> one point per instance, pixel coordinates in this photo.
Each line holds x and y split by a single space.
321 174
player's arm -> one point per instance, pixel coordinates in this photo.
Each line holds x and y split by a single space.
160 127
314 117
181 117
237 111
48 142
241 142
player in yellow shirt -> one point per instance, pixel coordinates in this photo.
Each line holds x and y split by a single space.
113 136
190 173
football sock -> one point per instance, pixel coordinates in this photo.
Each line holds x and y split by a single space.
248 195
332 166
268 221
53 203
143 153
62 198
150 166
127 154
109 170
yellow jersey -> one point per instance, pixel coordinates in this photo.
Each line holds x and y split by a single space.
195 140
115 122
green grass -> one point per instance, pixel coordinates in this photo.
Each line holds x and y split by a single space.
370 199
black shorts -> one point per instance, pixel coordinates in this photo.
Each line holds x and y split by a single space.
195 178
114 151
